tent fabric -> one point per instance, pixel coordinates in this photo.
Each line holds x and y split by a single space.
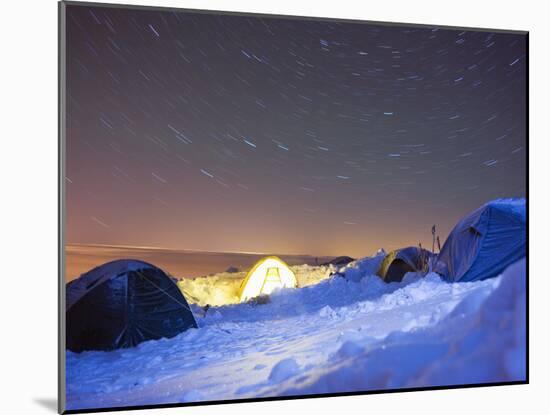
397 263
484 242
121 304
265 276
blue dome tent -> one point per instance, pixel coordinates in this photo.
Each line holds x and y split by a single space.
485 242
121 304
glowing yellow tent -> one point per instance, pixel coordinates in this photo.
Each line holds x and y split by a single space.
265 276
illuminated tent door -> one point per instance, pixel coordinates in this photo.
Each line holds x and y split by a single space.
265 276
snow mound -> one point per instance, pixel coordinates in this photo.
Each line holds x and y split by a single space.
481 341
283 370
360 268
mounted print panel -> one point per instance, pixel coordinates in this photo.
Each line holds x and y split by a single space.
258 207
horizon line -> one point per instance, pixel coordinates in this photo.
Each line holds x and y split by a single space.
189 250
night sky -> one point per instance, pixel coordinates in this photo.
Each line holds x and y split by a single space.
232 133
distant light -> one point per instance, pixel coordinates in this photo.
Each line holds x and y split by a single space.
207 174
513 151
96 220
154 31
156 176
249 143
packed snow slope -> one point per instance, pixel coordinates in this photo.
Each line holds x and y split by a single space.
342 334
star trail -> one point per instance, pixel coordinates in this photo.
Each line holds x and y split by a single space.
243 133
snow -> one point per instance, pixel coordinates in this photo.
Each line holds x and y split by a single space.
333 334
283 370
355 270
481 341
222 289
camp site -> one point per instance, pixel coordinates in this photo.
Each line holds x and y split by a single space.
405 318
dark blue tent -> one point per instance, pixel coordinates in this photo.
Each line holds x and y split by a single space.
123 303
485 242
